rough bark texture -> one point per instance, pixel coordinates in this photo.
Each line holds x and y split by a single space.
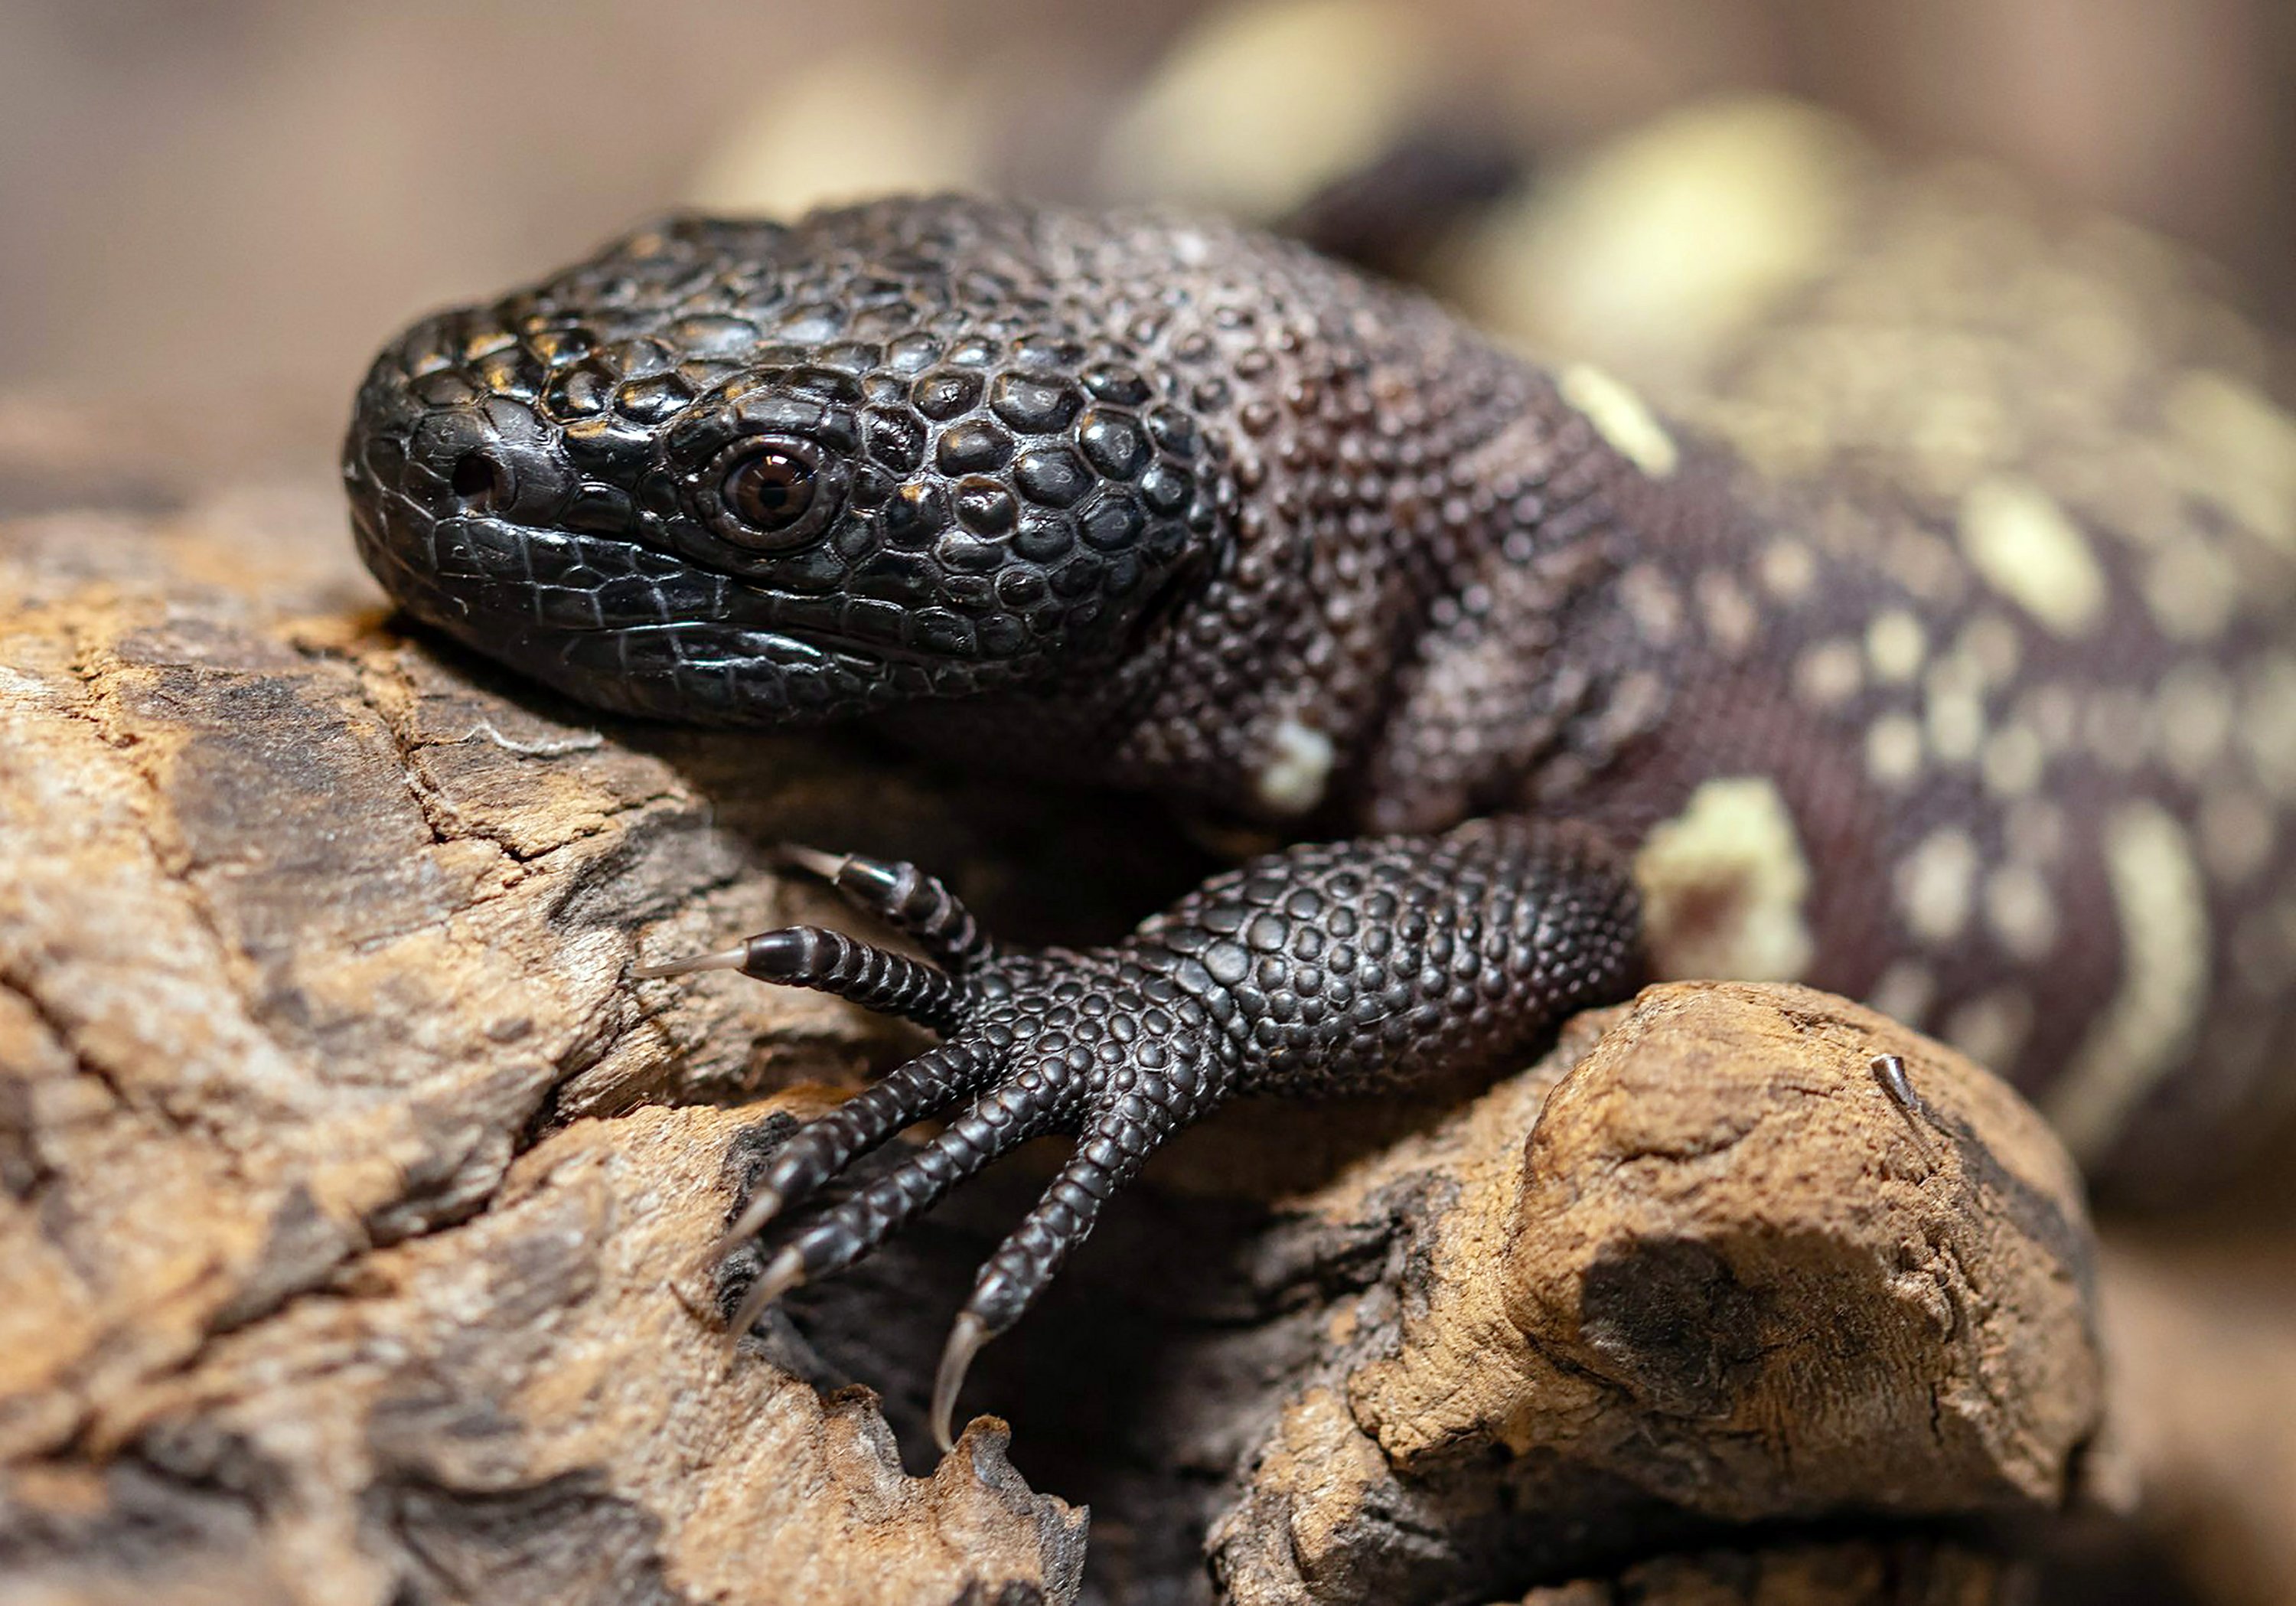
1728 1281
303 941
351 1191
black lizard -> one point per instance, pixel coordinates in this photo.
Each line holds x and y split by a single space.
1159 503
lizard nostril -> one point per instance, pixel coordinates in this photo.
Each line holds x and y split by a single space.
480 483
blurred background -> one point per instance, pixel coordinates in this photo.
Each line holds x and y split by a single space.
216 210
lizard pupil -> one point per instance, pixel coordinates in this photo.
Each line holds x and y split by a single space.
771 491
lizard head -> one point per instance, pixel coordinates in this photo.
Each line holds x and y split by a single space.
745 473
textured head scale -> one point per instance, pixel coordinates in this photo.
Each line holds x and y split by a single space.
751 473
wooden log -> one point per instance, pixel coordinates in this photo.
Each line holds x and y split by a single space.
351 1189
1727 1280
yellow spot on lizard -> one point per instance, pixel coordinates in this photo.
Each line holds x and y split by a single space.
2029 548
1723 883
2162 908
1621 417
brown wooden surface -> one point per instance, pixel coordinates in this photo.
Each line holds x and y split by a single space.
351 1189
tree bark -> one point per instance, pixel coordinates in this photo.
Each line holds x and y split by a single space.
352 1190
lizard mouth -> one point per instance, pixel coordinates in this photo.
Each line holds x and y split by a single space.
613 623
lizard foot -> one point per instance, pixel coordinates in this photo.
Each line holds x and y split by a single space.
1334 968
1039 1042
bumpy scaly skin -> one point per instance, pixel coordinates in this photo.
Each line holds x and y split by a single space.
1149 501
1156 502
1354 965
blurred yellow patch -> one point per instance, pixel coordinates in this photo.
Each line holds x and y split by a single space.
1664 241
1263 106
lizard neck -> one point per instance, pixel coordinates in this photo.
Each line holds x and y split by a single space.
1426 611
1407 609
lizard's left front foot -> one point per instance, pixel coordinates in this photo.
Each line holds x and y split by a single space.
1332 968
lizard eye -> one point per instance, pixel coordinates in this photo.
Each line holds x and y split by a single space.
771 491
771 494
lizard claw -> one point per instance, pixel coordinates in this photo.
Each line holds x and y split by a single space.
761 1207
965 1339
785 1271
1334 966
814 861
725 958
1033 1044
905 898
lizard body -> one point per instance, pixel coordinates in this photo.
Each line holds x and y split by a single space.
1156 502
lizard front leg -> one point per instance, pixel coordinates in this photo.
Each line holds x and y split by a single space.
1325 969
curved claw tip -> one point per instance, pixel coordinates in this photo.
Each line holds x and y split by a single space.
964 1341
784 1274
813 860
725 958
763 1204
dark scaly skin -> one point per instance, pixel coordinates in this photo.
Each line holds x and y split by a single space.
1354 965
1154 502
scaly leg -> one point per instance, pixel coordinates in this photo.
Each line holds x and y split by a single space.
1326 969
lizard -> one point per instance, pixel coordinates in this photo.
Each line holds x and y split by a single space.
1548 694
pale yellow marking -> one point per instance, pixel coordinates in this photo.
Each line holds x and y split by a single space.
2192 588
1634 708
1829 674
2194 713
1241 116
1653 603
1934 884
2163 918
1723 885
1893 749
2241 450
1992 1028
1895 644
1621 417
1955 708
1788 570
2035 831
2238 832
1731 620
1957 726
1663 244
2117 727
2029 548
793 145
1992 643
1296 771
2268 725
1903 992
2013 761
2019 911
